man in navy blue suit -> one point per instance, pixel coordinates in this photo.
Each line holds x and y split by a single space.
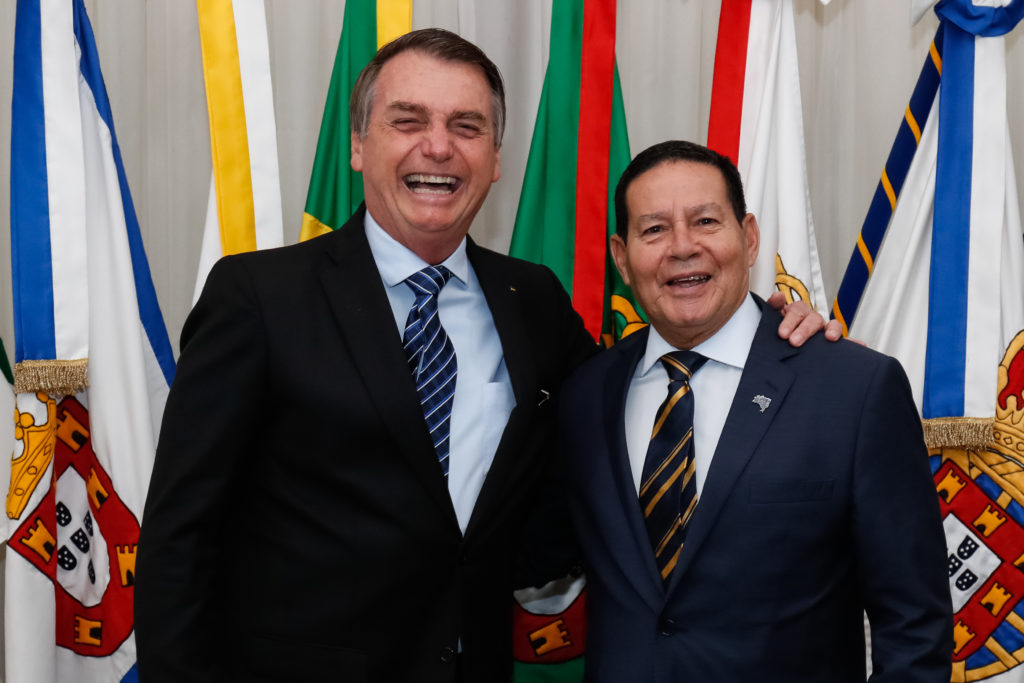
741 503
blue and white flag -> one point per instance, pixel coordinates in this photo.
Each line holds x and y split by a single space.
937 280
93 364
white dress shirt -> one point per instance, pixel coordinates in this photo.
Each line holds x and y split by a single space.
483 392
714 386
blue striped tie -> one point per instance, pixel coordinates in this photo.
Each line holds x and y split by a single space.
431 357
668 487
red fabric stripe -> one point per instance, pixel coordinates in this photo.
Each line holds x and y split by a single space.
730 70
596 85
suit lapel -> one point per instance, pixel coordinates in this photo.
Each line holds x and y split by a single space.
646 577
763 375
360 305
500 290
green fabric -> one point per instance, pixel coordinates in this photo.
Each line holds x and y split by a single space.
545 227
567 672
335 190
546 218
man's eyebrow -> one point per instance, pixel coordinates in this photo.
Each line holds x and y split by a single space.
704 208
409 107
470 114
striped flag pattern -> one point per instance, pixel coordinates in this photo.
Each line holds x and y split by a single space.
757 121
335 190
580 148
244 212
936 279
93 364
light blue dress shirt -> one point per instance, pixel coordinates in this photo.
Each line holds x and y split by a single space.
714 387
483 391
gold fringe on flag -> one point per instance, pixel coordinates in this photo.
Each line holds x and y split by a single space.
54 377
968 433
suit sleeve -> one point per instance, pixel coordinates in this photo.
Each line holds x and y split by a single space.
550 550
901 548
219 380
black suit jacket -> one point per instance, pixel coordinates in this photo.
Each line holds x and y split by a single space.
298 527
815 509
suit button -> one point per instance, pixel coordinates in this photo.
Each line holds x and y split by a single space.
447 654
667 626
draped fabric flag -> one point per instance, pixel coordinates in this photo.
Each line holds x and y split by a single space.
937 280
566 213
93 364
580 148
244 212
335 190
757 121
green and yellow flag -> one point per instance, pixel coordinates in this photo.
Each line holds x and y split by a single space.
335 190
580 148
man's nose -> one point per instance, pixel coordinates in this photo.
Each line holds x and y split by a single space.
683 244
437 143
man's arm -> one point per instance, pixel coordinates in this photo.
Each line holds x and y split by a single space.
218 383
800 322
900 545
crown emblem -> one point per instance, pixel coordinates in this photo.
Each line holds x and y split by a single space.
36 454
1009 422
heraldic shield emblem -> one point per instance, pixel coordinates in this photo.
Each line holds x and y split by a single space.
981 495
80 534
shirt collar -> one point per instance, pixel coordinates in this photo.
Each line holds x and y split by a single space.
396 262
729 346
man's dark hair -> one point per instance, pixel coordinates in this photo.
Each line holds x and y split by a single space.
438 43
675 151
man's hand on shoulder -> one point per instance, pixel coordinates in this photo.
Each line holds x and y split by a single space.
800 322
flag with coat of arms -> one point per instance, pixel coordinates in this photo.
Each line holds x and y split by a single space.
937 280
92 364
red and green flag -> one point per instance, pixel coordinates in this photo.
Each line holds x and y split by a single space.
580 148
335 190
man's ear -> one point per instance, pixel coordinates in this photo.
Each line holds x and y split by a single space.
753 236
356 149
618 247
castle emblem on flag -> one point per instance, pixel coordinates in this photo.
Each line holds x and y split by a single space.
981 496
82 536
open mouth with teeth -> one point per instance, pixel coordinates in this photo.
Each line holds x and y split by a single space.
689 281
421 183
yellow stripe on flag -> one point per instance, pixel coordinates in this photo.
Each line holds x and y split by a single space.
933 52
394 18
228 137
912 122
864 253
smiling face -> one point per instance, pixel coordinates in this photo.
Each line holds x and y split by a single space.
685 255
428 157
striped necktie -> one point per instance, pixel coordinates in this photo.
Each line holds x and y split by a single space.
431 357
668 488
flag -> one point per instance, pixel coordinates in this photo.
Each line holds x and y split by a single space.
244 212
757 121
566 213
93 364
335 190
937 280
580 148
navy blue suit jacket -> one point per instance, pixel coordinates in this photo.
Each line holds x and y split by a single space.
814 510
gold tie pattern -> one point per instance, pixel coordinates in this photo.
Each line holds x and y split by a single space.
668 487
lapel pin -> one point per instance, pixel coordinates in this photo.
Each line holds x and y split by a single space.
762 402
544 396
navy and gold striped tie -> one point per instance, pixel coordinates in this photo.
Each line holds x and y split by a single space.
431 357
668 488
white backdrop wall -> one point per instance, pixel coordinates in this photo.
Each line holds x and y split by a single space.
859 60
